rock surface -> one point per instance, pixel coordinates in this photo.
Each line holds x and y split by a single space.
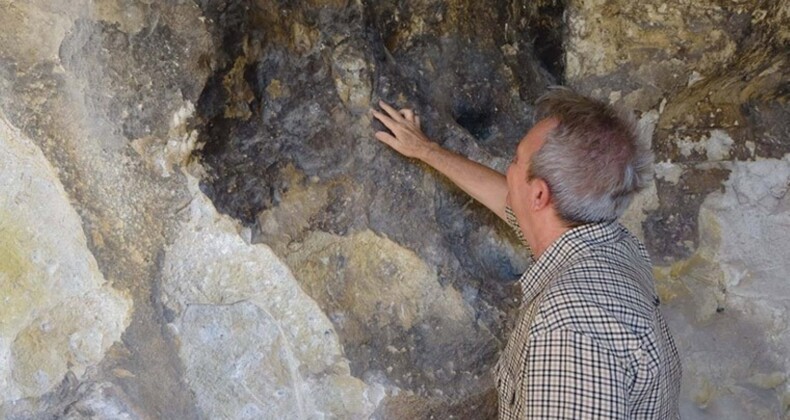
58 314
108 77
316 274
253 344
732 286
393 314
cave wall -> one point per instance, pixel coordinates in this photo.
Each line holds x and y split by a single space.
196 222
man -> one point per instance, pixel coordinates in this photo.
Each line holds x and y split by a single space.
590 341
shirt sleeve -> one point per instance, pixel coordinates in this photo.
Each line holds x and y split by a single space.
569 376
510 218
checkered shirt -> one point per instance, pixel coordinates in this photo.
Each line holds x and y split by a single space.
590 341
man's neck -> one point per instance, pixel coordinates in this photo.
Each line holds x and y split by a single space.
541 230
546 236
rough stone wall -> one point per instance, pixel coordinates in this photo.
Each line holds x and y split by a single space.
195 221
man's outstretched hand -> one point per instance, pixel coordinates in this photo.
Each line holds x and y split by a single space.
481 182
407 138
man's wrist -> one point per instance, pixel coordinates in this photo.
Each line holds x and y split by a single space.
429 152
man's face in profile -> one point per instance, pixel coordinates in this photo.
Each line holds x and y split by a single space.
518 186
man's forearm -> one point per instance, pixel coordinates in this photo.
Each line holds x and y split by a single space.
479 181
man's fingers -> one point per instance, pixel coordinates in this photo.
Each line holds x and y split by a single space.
396 121
384 137
395 115
387 121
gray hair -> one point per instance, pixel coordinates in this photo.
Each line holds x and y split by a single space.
593 161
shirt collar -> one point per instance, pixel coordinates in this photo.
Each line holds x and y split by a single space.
561 252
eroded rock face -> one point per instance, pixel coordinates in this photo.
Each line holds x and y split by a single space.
732 286
392 313
58 313
715 74
336 278
288 151
253 344
106 73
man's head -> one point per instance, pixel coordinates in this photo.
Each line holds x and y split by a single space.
585 154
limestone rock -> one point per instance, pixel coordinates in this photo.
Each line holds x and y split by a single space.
305 172
734 284
401 291
58 312
83 80
353 77
253 344
391 312
712 72
30 15
103 401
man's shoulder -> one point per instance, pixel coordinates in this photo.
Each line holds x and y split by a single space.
600 299
603 247
605 288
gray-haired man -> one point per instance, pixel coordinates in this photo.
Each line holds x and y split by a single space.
590 341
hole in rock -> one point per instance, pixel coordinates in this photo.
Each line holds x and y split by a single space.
546 32
475 120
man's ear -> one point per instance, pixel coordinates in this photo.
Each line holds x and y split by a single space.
541 196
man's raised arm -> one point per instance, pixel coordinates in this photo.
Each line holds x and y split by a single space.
481 182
